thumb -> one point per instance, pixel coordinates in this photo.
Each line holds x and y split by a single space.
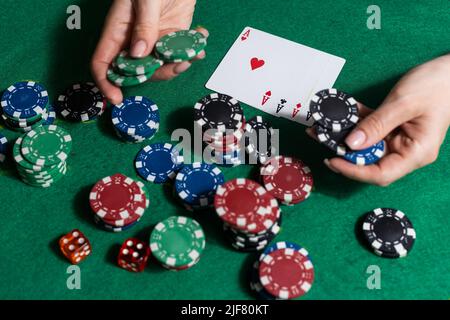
377 125
146 27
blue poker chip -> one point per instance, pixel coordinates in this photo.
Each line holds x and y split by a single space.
283 245
24 100
158 162
367 156
136 116
196 183
3 148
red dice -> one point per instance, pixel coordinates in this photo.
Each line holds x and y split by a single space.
133 255
75 246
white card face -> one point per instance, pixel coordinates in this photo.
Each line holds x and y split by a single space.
275 75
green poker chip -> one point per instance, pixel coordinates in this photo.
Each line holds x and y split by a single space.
25 165
129 66
180 46
127 81
46 145
177 241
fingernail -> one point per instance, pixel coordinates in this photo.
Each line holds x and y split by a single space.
355 139
182 67
138 49
328 164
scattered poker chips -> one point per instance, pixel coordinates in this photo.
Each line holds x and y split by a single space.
41 154
158 162
251 216
177 243
118 202
136 119
26 106
336 114
180 46
196 185
334 110
222 122
389 232
81 102
288 179
126 71
283 271
3 148
258 142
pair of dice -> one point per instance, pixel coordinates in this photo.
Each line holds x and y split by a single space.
133 254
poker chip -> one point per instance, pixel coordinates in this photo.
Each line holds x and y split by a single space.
130 66
24 100
180 46
288 179
335 141
158 162
285 245
389 232
334 110
51 117
255 283
286 273
366 156
81 102
127 81
46 145
258 141
177 242
118 202
136 119
3 148
196 184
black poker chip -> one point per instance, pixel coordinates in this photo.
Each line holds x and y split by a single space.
258 140
334 141
389 232
81 102
218 112
334 110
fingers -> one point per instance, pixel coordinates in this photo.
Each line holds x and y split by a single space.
380 123
389 169
146 27
115 34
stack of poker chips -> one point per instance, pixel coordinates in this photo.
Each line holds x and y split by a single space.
258 140
196 184
221 121
41 154
81 102
158 162
336 114
3 148
25 106
251 216
388 232
118 202
127 71
179 46
136 119
287 179
283 271
177 243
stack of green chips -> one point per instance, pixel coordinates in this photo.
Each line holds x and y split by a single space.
40 155
179 46
126 71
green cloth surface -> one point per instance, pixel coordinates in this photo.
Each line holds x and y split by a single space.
37 45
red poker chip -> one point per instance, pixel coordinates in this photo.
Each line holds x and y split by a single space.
117 199
286 273
287 179
245 205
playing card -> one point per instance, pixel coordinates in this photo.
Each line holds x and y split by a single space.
275 75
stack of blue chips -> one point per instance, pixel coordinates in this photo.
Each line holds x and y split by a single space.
196 185
136 119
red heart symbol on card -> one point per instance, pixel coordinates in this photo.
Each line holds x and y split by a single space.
256 63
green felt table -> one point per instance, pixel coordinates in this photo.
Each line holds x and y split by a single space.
35 44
